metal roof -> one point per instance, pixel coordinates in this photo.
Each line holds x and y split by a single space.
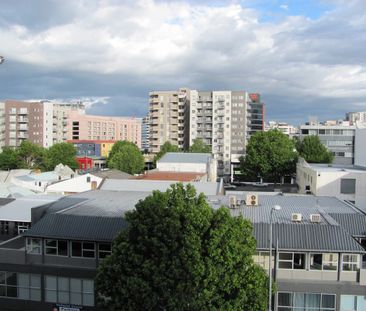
90 228
355 224
182 157
208 188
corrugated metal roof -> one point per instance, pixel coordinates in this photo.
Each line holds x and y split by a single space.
181 157
90 228
355 224
208 188
306 237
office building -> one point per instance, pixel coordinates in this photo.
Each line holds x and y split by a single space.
337 136
224 120
354 117
90 127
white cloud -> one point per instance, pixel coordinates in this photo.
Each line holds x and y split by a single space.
284 6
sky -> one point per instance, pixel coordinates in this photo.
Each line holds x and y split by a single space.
305 58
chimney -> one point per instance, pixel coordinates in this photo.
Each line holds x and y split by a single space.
94 185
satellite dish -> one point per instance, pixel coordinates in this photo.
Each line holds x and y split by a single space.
2 59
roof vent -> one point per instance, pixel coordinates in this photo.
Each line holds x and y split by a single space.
315 218
232 201
252 200
296 217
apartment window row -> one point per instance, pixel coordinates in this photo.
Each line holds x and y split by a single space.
353 303
289 301
314 261
69 248
20 285
69 290
327 132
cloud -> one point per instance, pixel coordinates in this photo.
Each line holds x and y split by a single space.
121 50
284 6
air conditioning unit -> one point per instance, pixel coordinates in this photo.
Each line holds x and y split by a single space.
296 217
232 201
315 218
252 200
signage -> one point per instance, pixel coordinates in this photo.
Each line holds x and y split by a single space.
62 307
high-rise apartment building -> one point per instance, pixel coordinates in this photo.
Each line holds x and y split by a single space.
89 127
224 120
41 122
167 110
145 134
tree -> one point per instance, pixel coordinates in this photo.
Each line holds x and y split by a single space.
313 151
126 156
179 254
31 156
199 146
271 155
64 153
9 159
166 147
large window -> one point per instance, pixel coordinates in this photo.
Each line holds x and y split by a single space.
291 261
56 247
34 246
353 303
69 290
20 285
83 249
288 301
328 262
104 250
350 262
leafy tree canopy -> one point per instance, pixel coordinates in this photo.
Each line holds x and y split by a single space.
166 147
313 151
126 156
199 146
269 154
64 153
9 159
30 155
179 254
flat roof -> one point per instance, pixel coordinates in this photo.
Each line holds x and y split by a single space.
337 168
173 176
185 157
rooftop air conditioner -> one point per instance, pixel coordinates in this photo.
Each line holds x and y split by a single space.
296 217
232 201
315 218
252 200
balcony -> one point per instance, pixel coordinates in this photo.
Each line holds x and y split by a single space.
23 127
23 120
22 135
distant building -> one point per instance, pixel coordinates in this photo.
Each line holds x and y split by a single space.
90 127
354 117
145 134
337 136
224 120
283 127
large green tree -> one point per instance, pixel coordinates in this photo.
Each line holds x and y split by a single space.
126 156
271 155
64 153
166 147
9 159
179 254
199 146
31 156
313 151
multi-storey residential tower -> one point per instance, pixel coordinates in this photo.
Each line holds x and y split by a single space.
145 134
224 120
89 127
354 117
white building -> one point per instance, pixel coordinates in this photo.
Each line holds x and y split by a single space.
342 181
284 127
354 117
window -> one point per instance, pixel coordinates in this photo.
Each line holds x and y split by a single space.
34 246
353 303
350 262
69 290
83 249
328 262
104 250
20 285
348 186
291 261
288 301
56 247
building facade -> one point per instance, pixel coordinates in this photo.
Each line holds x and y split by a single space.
283 127
89 127
145 134
224 120
338 138
354 117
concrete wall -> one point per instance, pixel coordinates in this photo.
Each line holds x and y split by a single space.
182 167
360 149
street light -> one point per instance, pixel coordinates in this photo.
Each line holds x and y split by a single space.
274 208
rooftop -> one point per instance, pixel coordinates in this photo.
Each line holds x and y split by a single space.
181 157
173 176
337 168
